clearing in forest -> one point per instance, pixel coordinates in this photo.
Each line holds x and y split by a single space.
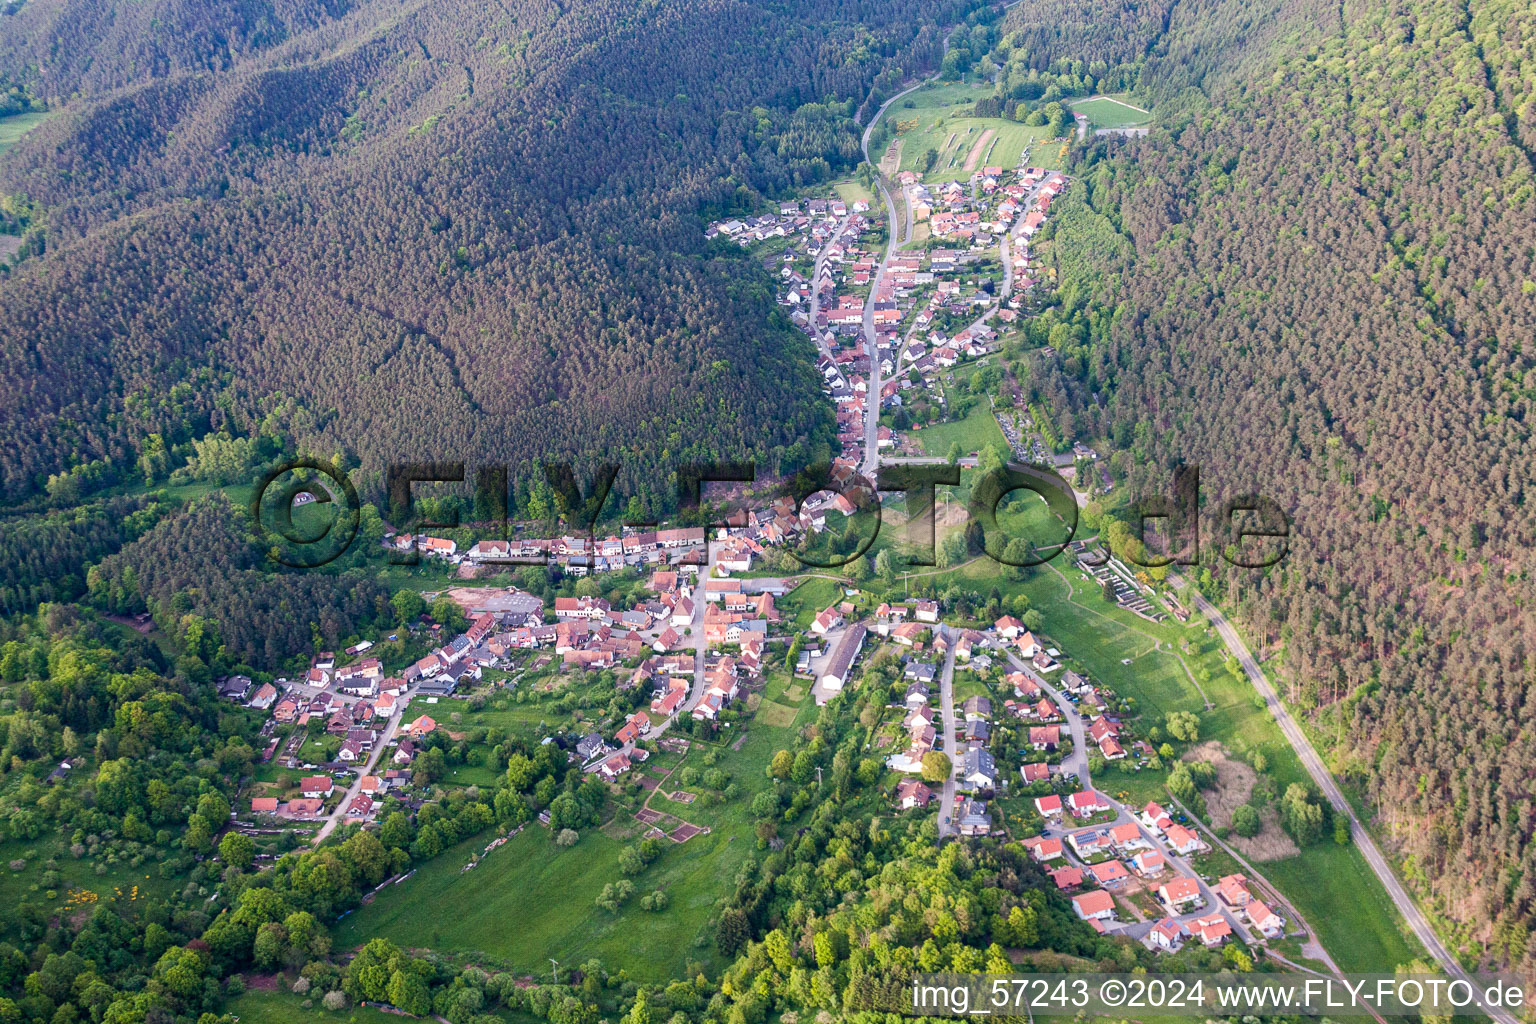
1234 785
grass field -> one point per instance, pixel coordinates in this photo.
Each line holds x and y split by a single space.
771 713
1158 665
849 190
973 433
114 887
943 123
549 893
805 602
12 128
1108 112
264 1006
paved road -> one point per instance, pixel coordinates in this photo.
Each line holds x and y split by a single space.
871 340
1014 230
872 397
821 262
947 734
373 758
1324 779
1077 765
700 645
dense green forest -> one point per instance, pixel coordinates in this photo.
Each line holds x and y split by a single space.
1318 283
456 231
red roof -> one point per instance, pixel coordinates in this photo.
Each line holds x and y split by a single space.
1180 890
1096 902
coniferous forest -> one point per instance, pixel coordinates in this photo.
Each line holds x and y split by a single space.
382 232
462 232
1318 283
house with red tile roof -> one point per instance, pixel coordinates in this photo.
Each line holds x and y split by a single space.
636 726
1233 890
1180 894
1166 934
1182 841
1269 923
316 786
1086 803
1043 849
1109 873
1211 930
1094 906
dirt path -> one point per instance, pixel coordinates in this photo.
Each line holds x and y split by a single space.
978 149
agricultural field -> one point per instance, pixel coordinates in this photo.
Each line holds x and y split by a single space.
939 120
1109 112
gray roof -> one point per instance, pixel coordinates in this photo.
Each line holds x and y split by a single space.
979 762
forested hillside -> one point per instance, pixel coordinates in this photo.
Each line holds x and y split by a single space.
450 231
1326 294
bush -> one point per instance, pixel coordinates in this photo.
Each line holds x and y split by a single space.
1246 821
334 1000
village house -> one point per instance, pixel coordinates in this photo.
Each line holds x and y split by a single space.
828 619
1182 841
979 771
309 807
1265 920
1094 906
1043 849
1166 934
910 793
1086 804
1180 894
1155 818
1233 891
637 725
1127 837
1211 930
975 820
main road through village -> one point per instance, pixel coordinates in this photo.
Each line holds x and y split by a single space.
1405 904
